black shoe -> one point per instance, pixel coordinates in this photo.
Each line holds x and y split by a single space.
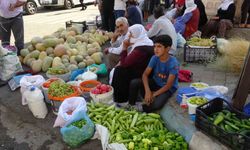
3 83
84 7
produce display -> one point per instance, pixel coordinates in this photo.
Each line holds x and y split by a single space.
229 122
197 100
199 85
48 82
137 131
66 49
195 41
101 89
57 71
59 89
79 123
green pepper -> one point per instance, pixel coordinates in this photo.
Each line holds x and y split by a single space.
219 118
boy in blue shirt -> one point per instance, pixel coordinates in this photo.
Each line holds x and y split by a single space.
159 80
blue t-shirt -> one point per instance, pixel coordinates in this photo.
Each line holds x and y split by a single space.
162 70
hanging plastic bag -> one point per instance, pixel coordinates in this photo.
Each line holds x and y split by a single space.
10 65
68 108
27 81
75 136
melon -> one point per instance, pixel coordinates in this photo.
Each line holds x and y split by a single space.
47 62
50 42
42 55
40 47
79 58
72 67
24 52
36 40
35 54
29 61
97 57
36 65
60 50
81 65
71 39
49 50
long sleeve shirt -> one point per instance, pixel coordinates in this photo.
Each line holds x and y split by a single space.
116 47
162 26
227 14
180 23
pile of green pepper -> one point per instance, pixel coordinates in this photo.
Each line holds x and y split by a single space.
137 131
229 122
79 123
59 89
57 71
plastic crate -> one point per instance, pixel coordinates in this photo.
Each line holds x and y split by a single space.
82 25
199 54
234 140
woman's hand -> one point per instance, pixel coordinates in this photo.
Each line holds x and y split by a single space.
215 18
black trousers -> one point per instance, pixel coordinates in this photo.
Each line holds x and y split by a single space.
245 8
136 87
82 4
108 20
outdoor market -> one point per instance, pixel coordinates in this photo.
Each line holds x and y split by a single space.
147 85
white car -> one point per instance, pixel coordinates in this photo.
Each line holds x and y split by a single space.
31 6
65 3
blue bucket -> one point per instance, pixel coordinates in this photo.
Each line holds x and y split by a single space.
187 91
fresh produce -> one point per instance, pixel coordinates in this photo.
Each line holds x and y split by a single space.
59 89
229 122
48 82
137 131
195 41
57 71
196 100
199 85
101 89
79 123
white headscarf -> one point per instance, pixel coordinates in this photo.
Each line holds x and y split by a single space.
139 36
190 6
225 4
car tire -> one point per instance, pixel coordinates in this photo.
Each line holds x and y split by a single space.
68 4
30 7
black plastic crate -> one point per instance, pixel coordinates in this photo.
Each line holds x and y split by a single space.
234 140
71 23
199 54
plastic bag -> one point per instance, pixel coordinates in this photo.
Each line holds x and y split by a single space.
87 76
102 134
98 69
180 41
68 108
27 81
75 136
75 73
210 94
9 66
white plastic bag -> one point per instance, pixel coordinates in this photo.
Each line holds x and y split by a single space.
68 108
111 74
180 41
102 134
10 65
27 81
87 76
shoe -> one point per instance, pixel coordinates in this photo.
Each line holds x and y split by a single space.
137 107
121 105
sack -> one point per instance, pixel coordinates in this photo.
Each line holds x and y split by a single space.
185 76
75 136
9 66
27 81
68 108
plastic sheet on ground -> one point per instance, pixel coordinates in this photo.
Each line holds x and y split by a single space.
102 134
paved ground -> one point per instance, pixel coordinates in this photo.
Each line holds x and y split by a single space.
20 130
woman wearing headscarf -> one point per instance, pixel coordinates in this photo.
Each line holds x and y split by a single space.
223 21
133 62
187 24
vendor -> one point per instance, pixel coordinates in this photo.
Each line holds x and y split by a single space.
223 21
133 62
134 13
115 50
162 25
159 80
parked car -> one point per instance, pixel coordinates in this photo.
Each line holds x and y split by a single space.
67 4
31 6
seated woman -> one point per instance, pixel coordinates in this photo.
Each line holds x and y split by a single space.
132 63
222 22
187 24
159 80
245 9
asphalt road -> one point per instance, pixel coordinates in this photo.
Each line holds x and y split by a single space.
45 22
19 130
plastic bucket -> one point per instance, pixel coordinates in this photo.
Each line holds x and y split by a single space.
191 108
87 86
187 91
46 88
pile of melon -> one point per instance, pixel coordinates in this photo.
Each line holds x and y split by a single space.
65 48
